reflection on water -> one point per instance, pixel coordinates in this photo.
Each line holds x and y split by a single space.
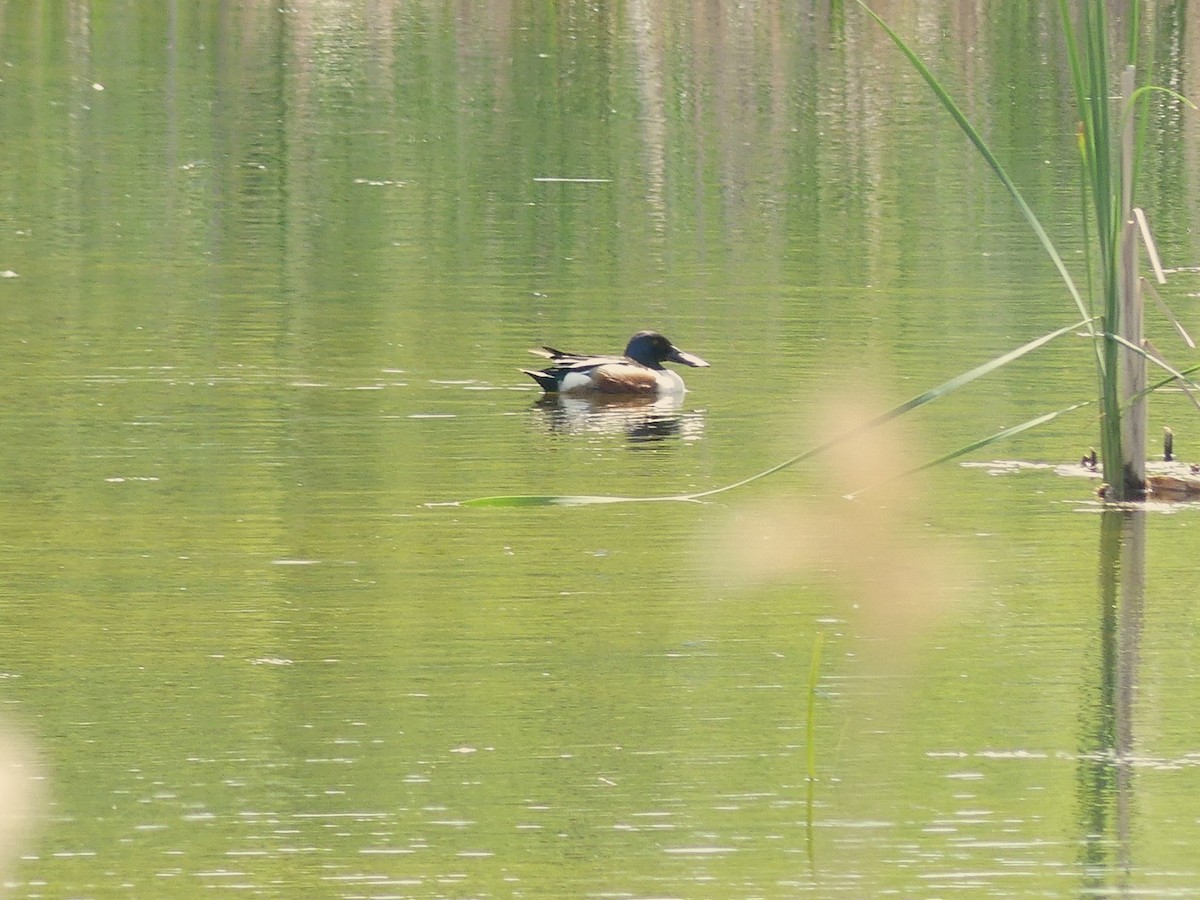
642 419
1107 755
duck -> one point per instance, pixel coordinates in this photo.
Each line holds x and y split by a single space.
639 371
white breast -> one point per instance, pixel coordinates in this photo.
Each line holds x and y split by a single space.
669 382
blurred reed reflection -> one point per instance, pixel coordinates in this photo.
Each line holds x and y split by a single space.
1107 757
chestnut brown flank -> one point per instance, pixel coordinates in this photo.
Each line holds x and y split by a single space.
624 380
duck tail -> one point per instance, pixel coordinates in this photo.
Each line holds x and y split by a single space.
546 381
554 353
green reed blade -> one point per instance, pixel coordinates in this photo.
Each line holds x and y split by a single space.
552 500
1176 376
946 387
1149 288
814 675
975 138
977 445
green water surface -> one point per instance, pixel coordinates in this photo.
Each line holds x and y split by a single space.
270 273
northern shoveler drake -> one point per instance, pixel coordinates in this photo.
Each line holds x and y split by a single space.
639 371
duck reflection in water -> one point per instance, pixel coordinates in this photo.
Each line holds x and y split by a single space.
644 420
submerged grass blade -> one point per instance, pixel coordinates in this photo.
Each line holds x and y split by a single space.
554 500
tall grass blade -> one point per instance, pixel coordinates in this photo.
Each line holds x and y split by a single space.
1145 354
1087 51
814 675
1148 240
1185 382
1166 311
1131 321
989 157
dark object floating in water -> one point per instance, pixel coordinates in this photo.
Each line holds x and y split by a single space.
639 371
1174 487
1180 482
1165 487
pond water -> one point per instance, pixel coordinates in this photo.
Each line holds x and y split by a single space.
270 275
